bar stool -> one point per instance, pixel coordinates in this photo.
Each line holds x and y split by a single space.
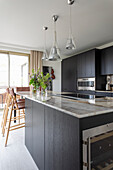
19 89
17 101
20 108
5 105
8 104
5 112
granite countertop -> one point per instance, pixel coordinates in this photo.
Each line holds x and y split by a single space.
104 91
78 108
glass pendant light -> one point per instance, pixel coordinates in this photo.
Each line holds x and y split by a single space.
45 54
70 42
54 53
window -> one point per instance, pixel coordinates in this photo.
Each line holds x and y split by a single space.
13 70
18 70
3 70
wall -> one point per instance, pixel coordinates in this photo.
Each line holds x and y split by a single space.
57 71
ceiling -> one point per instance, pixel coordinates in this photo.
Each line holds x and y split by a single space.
21 23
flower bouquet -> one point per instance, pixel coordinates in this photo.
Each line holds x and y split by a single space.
39 81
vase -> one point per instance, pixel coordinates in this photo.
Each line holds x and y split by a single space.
38 92
34 90
44 91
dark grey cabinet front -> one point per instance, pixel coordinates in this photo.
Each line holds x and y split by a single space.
90 63
86 64
29 124
38 134
83 65
61 141
107 61
69 74
79 66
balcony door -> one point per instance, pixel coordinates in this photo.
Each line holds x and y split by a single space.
4 70
13 69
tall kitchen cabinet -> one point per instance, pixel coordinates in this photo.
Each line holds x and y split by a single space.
69 74
84 65
107 61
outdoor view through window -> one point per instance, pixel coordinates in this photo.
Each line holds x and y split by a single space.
13 70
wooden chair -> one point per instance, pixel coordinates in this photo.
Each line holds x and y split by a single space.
20 108
5 106
19 102
18 89
5 112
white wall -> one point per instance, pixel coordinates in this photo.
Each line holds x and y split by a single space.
57 71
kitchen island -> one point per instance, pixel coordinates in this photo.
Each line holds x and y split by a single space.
54 129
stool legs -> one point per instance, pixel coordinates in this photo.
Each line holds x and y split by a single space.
3 116
5 120
11 108
19 116
8 128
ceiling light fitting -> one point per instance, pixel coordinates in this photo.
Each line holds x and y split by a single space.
45 53
70 45
54 52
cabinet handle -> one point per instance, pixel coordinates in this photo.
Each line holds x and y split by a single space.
89 154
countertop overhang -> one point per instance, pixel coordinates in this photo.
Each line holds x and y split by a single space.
76 108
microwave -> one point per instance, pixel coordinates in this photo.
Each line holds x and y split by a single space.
86 84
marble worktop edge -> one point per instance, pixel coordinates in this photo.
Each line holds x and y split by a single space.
70 112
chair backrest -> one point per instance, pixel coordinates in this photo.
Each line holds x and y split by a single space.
7 94
7 90
22 89
12 92
13 95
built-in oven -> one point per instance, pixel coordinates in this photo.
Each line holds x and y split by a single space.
86 84
98 148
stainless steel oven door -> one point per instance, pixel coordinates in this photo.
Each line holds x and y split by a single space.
86 84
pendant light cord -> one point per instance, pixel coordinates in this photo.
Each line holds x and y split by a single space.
55 35
45 40
70 24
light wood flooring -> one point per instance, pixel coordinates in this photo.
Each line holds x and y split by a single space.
15 156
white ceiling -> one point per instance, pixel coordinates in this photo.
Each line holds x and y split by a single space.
21 23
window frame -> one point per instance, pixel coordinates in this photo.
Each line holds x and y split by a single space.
14 53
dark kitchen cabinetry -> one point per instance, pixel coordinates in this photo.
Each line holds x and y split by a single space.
52 137
57 137
104 94
90 63
79 66
69 74
61 141
93 63
38 134
34 131
107 61
29 125
86 64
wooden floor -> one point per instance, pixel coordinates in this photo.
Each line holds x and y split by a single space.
15 156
